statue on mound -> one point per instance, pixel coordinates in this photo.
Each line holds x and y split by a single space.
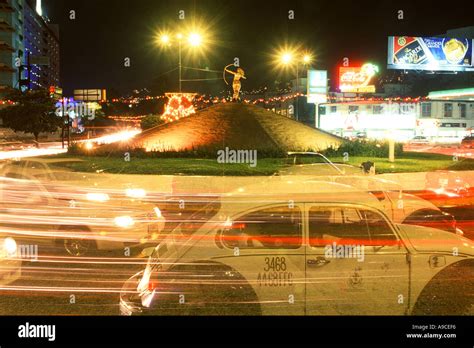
236 84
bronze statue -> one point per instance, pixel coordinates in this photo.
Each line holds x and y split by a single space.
236 84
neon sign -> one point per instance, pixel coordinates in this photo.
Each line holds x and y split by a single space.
357 79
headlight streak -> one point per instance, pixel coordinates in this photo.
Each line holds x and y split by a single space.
101 275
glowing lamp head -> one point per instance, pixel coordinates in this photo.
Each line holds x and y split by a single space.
195 39
165 39
286 58
307 59
179 36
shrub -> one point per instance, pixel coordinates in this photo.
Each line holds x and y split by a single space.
363 149
151 121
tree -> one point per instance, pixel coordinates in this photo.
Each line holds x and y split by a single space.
32 112
151 121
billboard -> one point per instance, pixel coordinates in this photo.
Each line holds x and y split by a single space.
430 53
357 79
317 86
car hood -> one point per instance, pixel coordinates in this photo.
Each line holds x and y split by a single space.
425 239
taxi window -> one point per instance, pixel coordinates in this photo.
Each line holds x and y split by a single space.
270 228
380 231
329 225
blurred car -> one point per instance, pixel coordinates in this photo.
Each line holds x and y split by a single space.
468 142
447 189
275 254
419 140
10 260
77 221
315 164
400 206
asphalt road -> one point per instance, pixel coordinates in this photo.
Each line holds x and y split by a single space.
65 286
69 286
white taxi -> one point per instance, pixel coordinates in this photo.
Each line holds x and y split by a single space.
298 250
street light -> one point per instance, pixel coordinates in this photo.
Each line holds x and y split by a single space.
194 39
288 57
165 39
307 58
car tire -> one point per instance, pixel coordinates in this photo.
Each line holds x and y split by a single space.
76 246
450 292
223 293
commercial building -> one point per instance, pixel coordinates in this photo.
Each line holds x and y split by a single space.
29 46
90 95
442 117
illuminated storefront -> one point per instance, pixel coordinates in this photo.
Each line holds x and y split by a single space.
441 121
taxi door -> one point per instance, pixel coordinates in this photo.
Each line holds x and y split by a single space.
355 263
266 247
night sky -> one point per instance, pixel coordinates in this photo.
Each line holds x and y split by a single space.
95 44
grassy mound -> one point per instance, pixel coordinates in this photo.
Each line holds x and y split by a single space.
237 126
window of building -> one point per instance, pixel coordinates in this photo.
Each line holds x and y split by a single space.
269 228
462 110
322 110
353 108
333 109
406 108
377 109
448 110
425 109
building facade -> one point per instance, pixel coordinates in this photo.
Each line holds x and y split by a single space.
29 46
441 121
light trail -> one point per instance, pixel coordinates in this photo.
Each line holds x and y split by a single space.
32 152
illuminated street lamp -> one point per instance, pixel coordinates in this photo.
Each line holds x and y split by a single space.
292 58
165 39
194 39
286 58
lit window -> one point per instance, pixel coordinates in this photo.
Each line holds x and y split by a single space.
448 110
426 110
462 110
377 109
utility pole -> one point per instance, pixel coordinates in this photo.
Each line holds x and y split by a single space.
180 65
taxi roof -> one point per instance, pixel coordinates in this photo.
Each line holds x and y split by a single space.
281 191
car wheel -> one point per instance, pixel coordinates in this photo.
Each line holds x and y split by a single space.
224 293
77 246
450 292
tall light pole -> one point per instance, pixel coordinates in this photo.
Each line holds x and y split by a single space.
289 58
180 65
194 40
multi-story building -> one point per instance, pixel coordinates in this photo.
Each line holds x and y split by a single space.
11 42
29 46
443 117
